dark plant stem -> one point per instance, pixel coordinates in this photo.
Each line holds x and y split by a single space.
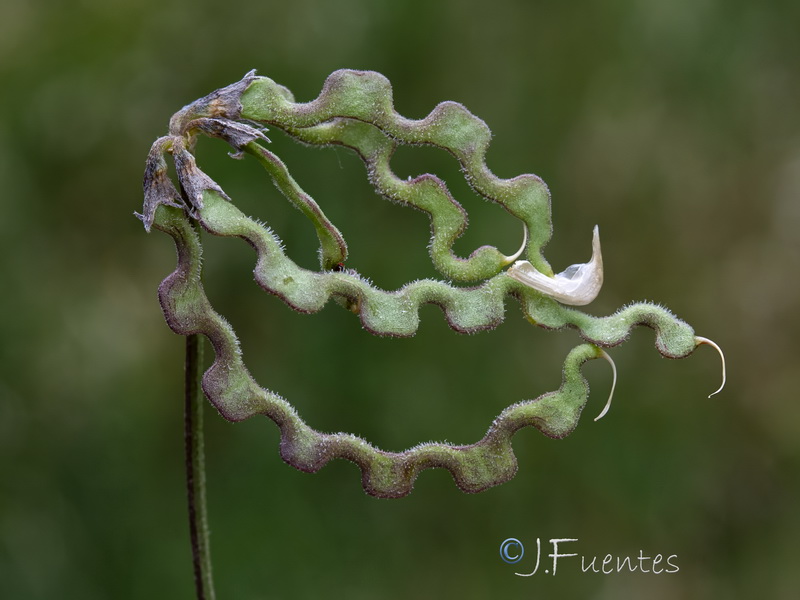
195 468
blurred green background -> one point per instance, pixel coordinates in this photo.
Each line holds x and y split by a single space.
671 124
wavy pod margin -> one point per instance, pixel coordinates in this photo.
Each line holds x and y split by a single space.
396 313
355 109
237 396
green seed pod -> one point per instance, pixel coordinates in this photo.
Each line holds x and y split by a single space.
355 110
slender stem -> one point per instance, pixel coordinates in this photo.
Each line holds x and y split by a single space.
195 468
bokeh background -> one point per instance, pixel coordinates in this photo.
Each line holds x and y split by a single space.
671 124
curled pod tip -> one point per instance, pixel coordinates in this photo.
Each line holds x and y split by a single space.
700 341
605 355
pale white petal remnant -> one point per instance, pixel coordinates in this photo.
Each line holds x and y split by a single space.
576 285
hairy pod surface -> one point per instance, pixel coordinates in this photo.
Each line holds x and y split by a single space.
355 110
